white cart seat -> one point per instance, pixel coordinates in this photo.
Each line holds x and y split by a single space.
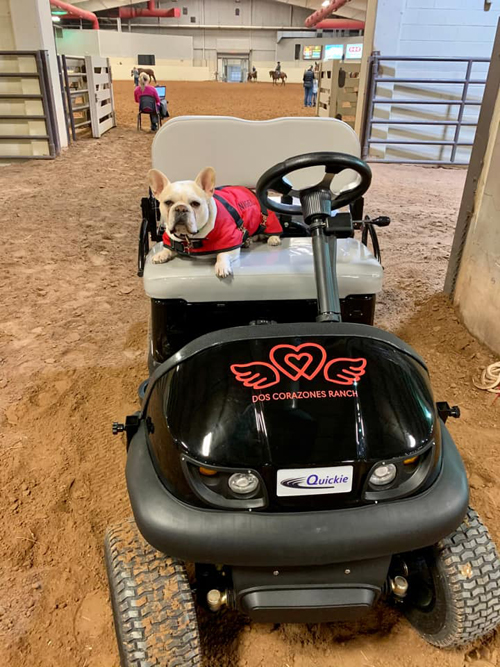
263 273
240 152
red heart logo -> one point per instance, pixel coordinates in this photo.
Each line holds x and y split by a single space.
304 360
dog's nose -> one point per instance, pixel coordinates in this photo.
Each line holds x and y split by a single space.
181 209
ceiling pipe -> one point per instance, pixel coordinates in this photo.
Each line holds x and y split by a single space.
76 13
340 24
320 14
132 12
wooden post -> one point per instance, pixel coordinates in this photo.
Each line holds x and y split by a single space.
371 17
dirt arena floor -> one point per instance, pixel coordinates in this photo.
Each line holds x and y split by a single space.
72 353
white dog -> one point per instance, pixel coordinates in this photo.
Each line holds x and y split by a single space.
200 220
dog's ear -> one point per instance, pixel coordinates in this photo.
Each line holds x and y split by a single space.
157 181
206 180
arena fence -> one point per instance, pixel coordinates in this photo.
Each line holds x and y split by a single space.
338 86
28 128
414 117
87 95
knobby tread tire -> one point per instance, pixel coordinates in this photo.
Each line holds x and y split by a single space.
468 570
153 607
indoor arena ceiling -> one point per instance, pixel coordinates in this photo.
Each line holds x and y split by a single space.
355 9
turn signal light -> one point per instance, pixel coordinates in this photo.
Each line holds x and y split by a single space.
207 472
408 462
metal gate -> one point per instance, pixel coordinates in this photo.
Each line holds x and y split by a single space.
87 95
28 126
423 119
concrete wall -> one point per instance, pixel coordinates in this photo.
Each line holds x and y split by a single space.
110 44
477 292
435 27
444 28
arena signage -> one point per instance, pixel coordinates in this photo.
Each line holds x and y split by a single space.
353 51
334 51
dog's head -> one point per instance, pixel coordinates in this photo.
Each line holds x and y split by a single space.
185 205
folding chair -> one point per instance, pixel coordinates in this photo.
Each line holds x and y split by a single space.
147 105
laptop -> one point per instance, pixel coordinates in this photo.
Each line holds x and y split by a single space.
162 91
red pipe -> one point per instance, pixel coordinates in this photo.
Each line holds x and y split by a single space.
132 13
76 12
340 24
321 14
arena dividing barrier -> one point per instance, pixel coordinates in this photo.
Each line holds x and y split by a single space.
88 94
338 88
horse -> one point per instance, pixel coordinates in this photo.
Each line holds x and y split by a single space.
149 72
252 75
275 76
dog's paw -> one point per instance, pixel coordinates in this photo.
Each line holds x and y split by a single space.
274 240
223 268
163 256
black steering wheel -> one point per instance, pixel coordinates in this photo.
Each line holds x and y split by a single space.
316 200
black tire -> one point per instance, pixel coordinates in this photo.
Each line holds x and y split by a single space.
454 588
153 607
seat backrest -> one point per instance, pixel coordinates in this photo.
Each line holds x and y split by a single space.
147 104
242 150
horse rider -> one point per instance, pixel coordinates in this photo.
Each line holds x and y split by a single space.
277 69
254 71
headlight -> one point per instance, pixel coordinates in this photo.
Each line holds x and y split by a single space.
226 488
243 483
383 474
397 478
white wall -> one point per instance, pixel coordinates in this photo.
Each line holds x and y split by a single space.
164 47
107 43
448 28
7 42
78 43
442 28
435 27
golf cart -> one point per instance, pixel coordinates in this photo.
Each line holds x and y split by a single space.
287 450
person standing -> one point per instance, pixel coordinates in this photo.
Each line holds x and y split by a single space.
308 86
314 97
135 74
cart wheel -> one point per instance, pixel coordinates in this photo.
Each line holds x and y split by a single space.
454 588
153 608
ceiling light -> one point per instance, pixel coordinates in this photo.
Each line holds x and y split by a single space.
56 19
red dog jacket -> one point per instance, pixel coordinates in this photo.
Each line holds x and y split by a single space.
239 215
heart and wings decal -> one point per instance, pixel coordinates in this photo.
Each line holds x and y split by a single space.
299 361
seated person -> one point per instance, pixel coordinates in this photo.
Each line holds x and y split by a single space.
145 89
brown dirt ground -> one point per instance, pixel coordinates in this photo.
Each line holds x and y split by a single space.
72 349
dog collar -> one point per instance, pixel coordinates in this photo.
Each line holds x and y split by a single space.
186 245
